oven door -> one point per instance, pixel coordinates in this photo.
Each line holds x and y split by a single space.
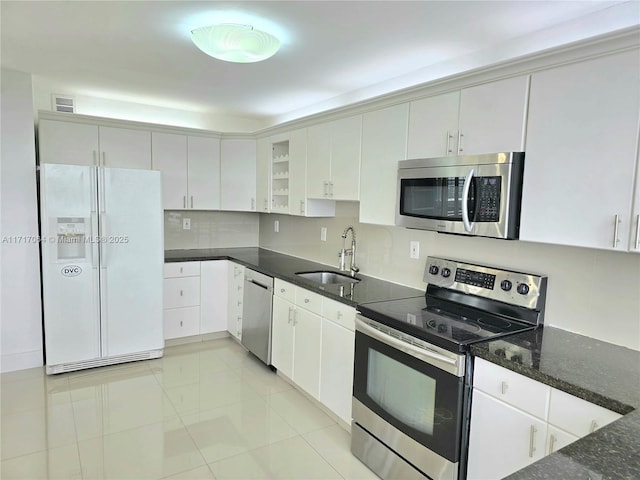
473 199
409 398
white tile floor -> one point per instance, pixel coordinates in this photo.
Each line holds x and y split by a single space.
204 411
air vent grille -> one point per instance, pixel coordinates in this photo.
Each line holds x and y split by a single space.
63 103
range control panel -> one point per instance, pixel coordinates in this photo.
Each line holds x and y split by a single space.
516 288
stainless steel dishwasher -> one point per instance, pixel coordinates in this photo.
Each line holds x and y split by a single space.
256 317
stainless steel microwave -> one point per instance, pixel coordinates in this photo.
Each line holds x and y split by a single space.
468 195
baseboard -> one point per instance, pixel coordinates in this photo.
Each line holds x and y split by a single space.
21 361
205 337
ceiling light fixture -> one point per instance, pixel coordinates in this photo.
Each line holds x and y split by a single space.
235 43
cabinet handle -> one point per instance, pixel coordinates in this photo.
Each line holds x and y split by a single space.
253 204
616 223
180 322
191 201
266 205
181 268
638 232
460 135
95 158
301 206
331 189
552 443
239 303
184 201
593 426
503 387
181 293
104 159
306 300
532 440
282 290
339 315
449 137
289 319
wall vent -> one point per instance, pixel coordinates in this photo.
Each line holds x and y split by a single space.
63 103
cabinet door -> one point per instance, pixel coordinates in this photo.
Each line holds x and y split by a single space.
298 172
634 240
181 322
235 276
169 155
577 416
282 336
318 160
557 439
384 142
306 351
346 142
214 294
263 174
238 175
336 370
433 126
502 438
581 153
125 148
67 143
203 173
493 117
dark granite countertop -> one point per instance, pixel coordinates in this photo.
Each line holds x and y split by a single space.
278 265
599 372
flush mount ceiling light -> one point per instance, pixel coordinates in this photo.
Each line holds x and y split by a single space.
235 43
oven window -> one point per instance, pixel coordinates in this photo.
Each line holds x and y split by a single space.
405 393
415 397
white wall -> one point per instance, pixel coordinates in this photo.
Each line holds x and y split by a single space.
130 109
592 292
20 309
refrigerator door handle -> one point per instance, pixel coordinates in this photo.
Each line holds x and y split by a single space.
101 199
103 239
93 240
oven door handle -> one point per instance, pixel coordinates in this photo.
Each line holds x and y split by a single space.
414 351
468 226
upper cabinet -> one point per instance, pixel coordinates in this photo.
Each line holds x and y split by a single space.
581 154
486 118
263 174
333 159
238 174
85 144
190 169
384 142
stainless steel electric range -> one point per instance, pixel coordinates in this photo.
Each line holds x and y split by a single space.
413 374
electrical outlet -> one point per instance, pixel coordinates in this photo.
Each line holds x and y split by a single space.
414 250
323 234
186 224
276 226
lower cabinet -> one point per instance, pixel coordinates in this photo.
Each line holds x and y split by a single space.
312 343
235 278
516 421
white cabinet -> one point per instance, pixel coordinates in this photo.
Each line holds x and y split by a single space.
502 439
238 175
214 294
384 143
333 159
280 163
581 153
181 300
86 144
190 169
263 174
306 350
485 118
337 352
235 276
282 336
516 421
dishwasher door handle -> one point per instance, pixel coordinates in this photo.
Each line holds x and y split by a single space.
266 287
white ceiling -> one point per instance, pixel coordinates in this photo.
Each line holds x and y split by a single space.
333 53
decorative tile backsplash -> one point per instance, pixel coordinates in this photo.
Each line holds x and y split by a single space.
210 229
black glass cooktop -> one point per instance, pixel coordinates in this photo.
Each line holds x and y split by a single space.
454 327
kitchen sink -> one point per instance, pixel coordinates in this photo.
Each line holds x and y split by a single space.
327 277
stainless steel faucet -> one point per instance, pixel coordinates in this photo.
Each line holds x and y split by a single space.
352 251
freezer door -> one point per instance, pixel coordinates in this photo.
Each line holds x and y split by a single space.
69 263
132 258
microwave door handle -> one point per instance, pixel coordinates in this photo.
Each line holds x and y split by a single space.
468 226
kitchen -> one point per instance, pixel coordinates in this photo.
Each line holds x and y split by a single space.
383 249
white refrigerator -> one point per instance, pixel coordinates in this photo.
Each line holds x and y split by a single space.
102 261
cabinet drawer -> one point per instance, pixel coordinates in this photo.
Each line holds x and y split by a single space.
309 300
181 292
284 290
512 388
181 322
181 269
577 416
557 439
337 312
